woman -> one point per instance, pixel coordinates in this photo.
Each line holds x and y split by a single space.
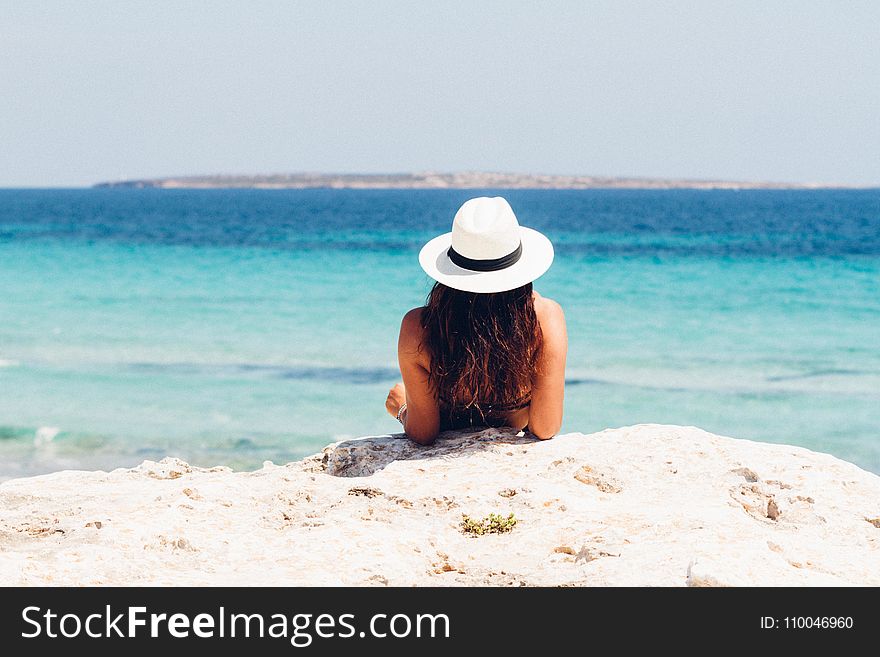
485 350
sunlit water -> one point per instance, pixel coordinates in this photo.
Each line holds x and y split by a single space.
235 327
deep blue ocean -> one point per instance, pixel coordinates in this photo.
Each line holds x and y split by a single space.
233 327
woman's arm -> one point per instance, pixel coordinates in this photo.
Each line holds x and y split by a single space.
421 418
548 383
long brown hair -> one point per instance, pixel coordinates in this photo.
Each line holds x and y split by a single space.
483 347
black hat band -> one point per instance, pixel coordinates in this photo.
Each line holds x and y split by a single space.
494 264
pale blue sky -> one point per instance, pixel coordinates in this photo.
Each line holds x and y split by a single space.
786 91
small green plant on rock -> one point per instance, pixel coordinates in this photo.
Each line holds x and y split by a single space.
491 524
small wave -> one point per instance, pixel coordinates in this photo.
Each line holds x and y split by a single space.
357 375
15 433
45 435
585 381
817 373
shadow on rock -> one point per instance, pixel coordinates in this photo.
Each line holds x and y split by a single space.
365 456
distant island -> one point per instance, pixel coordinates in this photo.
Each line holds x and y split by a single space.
431 180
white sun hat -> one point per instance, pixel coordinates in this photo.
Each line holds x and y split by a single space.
487 250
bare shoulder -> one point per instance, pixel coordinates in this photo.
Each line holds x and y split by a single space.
548 311
411 331
552 321
412 322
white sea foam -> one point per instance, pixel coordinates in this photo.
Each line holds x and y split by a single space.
45 435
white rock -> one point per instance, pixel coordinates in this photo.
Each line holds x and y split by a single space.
643 505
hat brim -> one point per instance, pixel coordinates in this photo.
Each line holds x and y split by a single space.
536 258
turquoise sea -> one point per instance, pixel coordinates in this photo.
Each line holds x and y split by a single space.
233 327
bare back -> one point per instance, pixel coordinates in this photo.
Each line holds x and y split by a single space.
543 415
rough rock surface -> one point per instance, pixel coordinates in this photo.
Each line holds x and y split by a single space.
641 505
